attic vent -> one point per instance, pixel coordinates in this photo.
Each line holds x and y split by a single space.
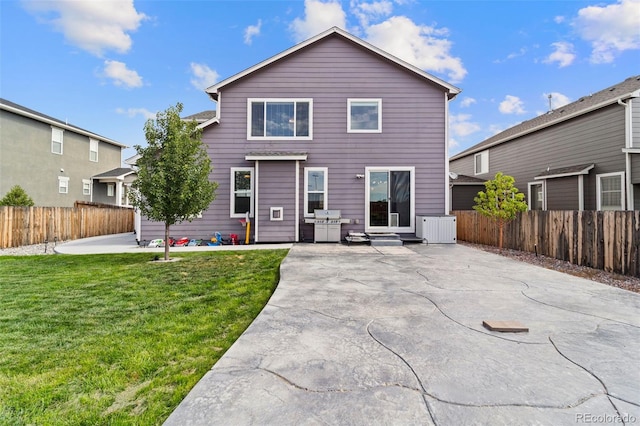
612 89
581 100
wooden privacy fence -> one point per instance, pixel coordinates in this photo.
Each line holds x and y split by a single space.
604 240
20 226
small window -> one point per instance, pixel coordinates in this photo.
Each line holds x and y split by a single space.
93 150
315 189
365 115
63 185
111 190
279 119
610 191
276 213
241 192
57 140
86 187
481 163
536 196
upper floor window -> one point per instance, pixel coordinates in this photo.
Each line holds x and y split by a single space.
93 150
279 118
481 163
364 115
315 189
241 191
610 191
56 140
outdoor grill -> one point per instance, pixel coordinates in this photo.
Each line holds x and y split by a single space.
326 226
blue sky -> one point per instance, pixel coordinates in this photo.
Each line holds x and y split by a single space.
108 66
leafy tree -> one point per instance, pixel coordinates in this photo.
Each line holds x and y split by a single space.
173 172
17 197
500 201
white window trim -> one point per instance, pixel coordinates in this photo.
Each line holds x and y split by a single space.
276 214
544 193
232 197
93 143
63 184
367 210
307 171
111 189
61 141
622 189
352 100
279 138
484 158
86 182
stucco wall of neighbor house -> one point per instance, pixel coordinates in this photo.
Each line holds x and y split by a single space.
27 161
330 72
597 137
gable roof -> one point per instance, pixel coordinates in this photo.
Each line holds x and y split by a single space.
35 115
201 117
452 91
118 173
629 88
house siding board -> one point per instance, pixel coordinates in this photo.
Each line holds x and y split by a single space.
562 193
635 168
635 119
463 195
596 137
276 189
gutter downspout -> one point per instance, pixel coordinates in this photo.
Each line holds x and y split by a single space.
256 215
447 187
627 156
297 209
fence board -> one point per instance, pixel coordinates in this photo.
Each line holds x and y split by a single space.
604 240
21 226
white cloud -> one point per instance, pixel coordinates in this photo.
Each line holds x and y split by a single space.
611 29
420 45
511 105
557 99
133 112
94 26
559 19
564 54
319 17
467 102
365 12
252 31
203 76
121 75
460 125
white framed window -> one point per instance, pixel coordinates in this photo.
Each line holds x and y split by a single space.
242 189
535 197
279 119
57 140
86 187
364 115
481 163
63 185
316 192
111 190
93 150
610 191
390 199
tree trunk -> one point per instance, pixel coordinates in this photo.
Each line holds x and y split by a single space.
501 233
166 241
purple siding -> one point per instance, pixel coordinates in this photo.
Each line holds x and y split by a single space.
329 72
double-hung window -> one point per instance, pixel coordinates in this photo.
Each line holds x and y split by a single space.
63 184
280 119
364 115
315 189
610 191
241 191
86 187
57 140
481 163
93 150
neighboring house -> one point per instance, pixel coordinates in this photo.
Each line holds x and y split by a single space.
57 163
582 156
331 123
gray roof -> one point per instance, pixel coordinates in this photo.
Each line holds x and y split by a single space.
21 110
467 180
581 169
201 117
115 173
624 90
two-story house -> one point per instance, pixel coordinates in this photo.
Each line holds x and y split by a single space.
57 163
582 156
332 123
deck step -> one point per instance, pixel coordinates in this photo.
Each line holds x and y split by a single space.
384 239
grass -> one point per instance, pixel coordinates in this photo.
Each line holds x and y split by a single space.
117 339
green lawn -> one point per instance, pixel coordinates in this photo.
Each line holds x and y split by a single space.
117 339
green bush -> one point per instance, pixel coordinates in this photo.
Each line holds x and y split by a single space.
17 197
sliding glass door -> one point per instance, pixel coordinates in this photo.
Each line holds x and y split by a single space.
390 199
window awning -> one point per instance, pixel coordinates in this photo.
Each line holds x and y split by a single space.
582 169
276 156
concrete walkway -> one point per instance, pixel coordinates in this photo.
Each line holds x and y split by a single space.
356 335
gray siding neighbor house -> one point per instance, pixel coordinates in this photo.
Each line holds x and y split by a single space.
582 156
331 123
57 163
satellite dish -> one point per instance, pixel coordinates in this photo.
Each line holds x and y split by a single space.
453 175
